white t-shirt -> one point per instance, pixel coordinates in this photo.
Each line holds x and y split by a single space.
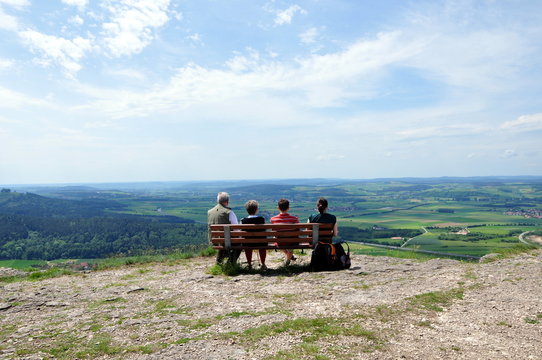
233 218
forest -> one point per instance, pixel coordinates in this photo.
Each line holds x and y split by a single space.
63 231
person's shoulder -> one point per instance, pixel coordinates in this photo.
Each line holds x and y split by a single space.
290 219
212 209
253 220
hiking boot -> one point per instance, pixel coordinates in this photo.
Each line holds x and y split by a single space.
263 267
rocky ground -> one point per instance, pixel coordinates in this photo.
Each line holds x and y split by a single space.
382 308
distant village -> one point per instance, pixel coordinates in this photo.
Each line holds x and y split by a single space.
528 213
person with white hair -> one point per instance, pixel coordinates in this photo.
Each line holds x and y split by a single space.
222 214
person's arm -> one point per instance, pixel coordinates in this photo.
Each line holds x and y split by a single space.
233 218
335 230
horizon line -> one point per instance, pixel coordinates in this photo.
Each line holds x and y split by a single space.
274 179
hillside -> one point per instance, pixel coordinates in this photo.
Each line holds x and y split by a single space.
37 227
382 308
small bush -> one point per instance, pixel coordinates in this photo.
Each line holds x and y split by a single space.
208 252
226 268
49 273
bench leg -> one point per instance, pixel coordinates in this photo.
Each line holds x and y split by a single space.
221 255
233 256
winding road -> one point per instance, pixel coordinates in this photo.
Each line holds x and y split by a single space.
520 237
406 242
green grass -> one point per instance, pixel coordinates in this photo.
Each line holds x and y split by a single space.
37 275
512 251
377 251
22 264
60 266
435 301
229 269
173 257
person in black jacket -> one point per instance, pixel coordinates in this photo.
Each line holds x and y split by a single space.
324 217
252 218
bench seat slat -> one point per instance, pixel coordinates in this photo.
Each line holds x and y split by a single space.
236 234
269 241
279 247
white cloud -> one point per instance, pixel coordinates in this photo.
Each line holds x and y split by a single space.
524 123
467 46
128 73
76 20
457 130
285 16
317 81
8 22
309 36
79 3
129 31
14 99
330 157
64 52
19 4
509 153
194 37
5 64
131 27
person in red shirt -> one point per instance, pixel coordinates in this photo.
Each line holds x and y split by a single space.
285 218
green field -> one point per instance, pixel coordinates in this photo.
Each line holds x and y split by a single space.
490 207
388 204
22 264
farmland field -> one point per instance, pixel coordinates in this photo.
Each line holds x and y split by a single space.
423 214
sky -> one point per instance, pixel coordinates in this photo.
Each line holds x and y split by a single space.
171 90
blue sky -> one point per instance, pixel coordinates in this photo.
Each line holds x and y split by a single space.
158 90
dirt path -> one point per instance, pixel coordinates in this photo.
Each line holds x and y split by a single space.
382 308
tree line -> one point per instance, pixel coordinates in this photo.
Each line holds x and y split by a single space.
350 233
24 237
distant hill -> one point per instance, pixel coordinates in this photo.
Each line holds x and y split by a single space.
29 204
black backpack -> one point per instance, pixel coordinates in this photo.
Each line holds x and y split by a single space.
329 257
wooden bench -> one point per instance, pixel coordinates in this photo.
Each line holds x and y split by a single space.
269 236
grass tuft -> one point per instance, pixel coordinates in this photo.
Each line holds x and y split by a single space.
435 301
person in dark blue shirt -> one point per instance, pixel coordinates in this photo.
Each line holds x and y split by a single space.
252 209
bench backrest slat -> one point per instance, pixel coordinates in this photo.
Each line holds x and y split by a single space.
286 235
240 233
